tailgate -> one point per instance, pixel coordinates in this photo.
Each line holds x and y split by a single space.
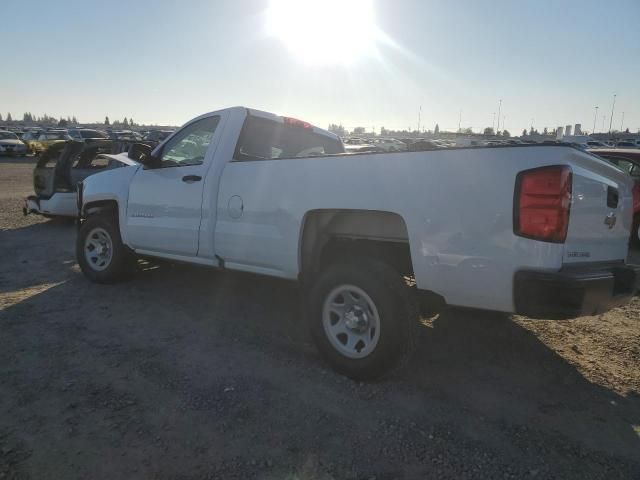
601 211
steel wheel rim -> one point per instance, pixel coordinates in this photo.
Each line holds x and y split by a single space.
98 249
351 321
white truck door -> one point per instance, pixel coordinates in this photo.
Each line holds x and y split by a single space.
165 203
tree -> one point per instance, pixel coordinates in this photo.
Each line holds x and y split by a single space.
62 122
106 121
545 131
524 132
0 117
627 130
131 124
358 131
9 119
436 130
337 129
125 122
505 133
488 131
74 120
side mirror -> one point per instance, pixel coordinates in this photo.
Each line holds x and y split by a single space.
141 152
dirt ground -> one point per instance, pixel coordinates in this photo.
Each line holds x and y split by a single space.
185 373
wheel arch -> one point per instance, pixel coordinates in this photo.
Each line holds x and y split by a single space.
322 228
96 207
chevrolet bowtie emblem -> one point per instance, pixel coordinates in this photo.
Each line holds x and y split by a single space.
610 220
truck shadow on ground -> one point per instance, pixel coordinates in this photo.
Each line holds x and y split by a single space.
469 368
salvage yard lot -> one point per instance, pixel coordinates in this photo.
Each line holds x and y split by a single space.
189 373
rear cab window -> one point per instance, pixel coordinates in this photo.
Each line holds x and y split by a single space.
266 139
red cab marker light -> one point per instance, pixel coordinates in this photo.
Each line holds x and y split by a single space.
294 122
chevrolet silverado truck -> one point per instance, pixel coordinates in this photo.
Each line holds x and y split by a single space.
535 230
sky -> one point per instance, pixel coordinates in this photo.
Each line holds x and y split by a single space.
164 62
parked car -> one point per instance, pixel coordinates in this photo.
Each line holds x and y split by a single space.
30 138
355 141
487 228
48 138
58 172
363 148
10 144
82 134
626 144
390 144
629 161
423 146
154 137
125 135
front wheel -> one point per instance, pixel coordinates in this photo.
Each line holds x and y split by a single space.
361 316
102 256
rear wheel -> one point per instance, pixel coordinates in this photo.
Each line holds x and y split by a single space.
102 256
635 232
361 316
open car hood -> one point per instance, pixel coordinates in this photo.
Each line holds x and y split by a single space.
66 163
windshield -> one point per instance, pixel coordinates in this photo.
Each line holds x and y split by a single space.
8 136
264 139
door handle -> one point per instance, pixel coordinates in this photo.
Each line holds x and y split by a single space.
191 178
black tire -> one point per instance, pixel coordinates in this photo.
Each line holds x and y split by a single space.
635 234
122 262
397 311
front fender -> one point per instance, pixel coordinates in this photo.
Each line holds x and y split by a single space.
109 186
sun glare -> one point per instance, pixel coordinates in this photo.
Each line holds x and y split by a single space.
324 32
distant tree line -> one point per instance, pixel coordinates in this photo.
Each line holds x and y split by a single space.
29 118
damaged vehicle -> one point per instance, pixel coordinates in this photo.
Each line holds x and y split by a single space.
58 172
10 144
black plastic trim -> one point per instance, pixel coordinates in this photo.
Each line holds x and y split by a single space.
575 291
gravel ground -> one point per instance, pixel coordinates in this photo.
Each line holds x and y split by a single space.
186 373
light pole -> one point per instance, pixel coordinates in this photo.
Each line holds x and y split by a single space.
459 121
613 106
603 119
499 109
595 116
622 123
493 123
419 115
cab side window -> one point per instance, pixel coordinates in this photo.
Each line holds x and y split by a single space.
189 145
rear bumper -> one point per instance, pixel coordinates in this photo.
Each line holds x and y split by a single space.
575 291
31 205
62 204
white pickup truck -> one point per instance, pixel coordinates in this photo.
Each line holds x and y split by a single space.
536 230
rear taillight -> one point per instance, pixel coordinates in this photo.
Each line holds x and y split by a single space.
636 198
542 203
